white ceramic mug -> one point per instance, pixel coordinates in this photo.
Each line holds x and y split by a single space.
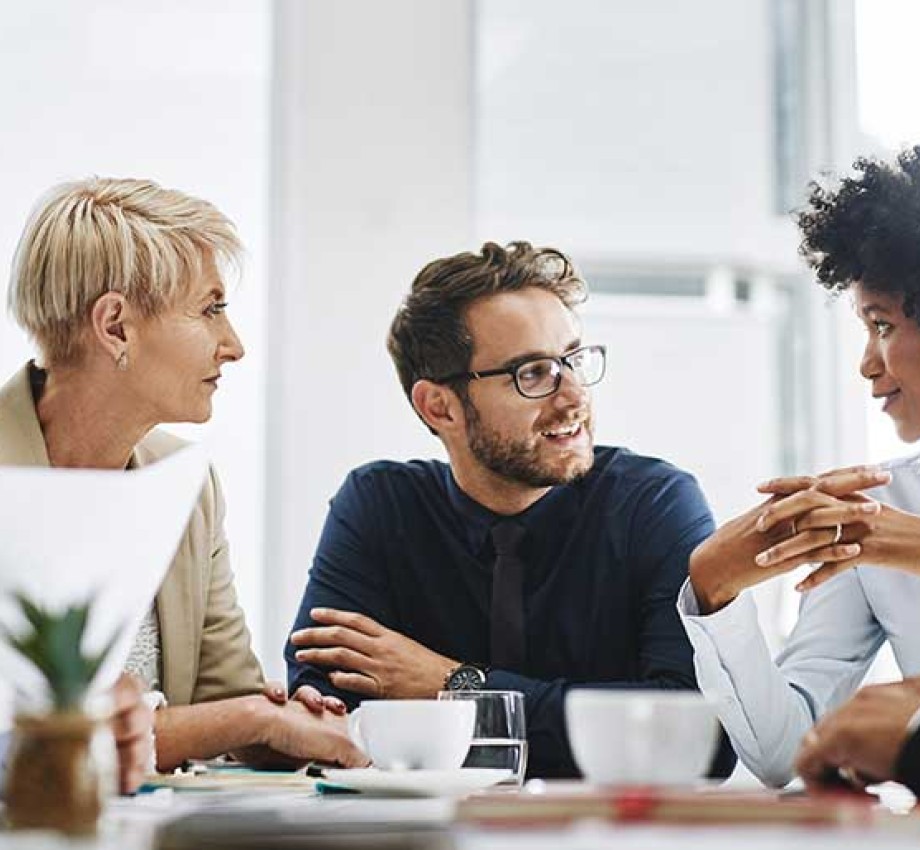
641 737
411 734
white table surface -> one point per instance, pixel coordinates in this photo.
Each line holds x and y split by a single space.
130 825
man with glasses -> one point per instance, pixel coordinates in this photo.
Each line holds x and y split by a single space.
533 561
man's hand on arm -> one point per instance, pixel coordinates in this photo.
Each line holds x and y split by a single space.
312 699
366 658
863 738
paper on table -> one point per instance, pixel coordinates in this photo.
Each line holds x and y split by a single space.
68 535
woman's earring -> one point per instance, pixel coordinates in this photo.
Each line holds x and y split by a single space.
121 362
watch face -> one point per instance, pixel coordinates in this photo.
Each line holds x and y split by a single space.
466 678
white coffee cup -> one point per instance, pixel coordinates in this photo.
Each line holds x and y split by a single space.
641 737
410 734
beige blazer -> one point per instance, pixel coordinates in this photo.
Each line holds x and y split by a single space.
205 644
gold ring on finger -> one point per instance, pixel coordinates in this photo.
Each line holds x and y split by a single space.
838 534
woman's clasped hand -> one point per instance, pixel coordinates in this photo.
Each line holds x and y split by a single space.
870 532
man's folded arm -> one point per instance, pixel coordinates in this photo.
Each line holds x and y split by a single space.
346 576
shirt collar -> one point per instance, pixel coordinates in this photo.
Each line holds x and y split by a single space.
560 503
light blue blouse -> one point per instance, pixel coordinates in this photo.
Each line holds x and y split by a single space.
768 705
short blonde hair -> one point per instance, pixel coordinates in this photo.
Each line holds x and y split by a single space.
103 235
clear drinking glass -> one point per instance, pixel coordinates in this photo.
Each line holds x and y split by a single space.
499 733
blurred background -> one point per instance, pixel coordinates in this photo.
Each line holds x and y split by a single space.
660 143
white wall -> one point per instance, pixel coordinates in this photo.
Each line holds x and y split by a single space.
177 92
671 390
372 159
630 130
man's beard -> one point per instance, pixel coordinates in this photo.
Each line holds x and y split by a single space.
519 460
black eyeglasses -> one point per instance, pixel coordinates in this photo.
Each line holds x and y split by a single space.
539 377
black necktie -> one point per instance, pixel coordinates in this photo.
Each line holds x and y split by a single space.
508 642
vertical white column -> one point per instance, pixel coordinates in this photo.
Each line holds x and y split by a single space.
838 397
372 142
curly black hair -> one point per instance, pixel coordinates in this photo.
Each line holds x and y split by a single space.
867 230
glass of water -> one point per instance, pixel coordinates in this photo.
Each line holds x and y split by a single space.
500 734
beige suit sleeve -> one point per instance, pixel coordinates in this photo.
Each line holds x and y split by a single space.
227 666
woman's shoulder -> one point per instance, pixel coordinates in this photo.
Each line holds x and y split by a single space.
157 445
208 512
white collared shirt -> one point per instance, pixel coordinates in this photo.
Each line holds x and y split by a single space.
766 706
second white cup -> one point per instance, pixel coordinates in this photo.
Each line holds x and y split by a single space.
411 734
641 737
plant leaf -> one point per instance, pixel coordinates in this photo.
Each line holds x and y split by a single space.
54 646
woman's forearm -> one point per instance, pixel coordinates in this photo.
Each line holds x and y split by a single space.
208 729
255 729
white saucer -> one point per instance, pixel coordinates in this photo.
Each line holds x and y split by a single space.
416 783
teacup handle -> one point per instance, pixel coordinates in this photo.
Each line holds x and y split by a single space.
354 729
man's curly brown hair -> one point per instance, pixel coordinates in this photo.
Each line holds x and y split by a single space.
429 337
867 230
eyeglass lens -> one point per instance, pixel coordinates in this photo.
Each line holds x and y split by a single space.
542 376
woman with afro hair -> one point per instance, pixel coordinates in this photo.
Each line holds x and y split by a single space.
862 236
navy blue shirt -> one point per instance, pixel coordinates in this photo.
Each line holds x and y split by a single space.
605 557
907 766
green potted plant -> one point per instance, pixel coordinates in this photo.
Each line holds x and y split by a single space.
62 761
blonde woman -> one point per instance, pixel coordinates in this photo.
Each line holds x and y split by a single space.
120 284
